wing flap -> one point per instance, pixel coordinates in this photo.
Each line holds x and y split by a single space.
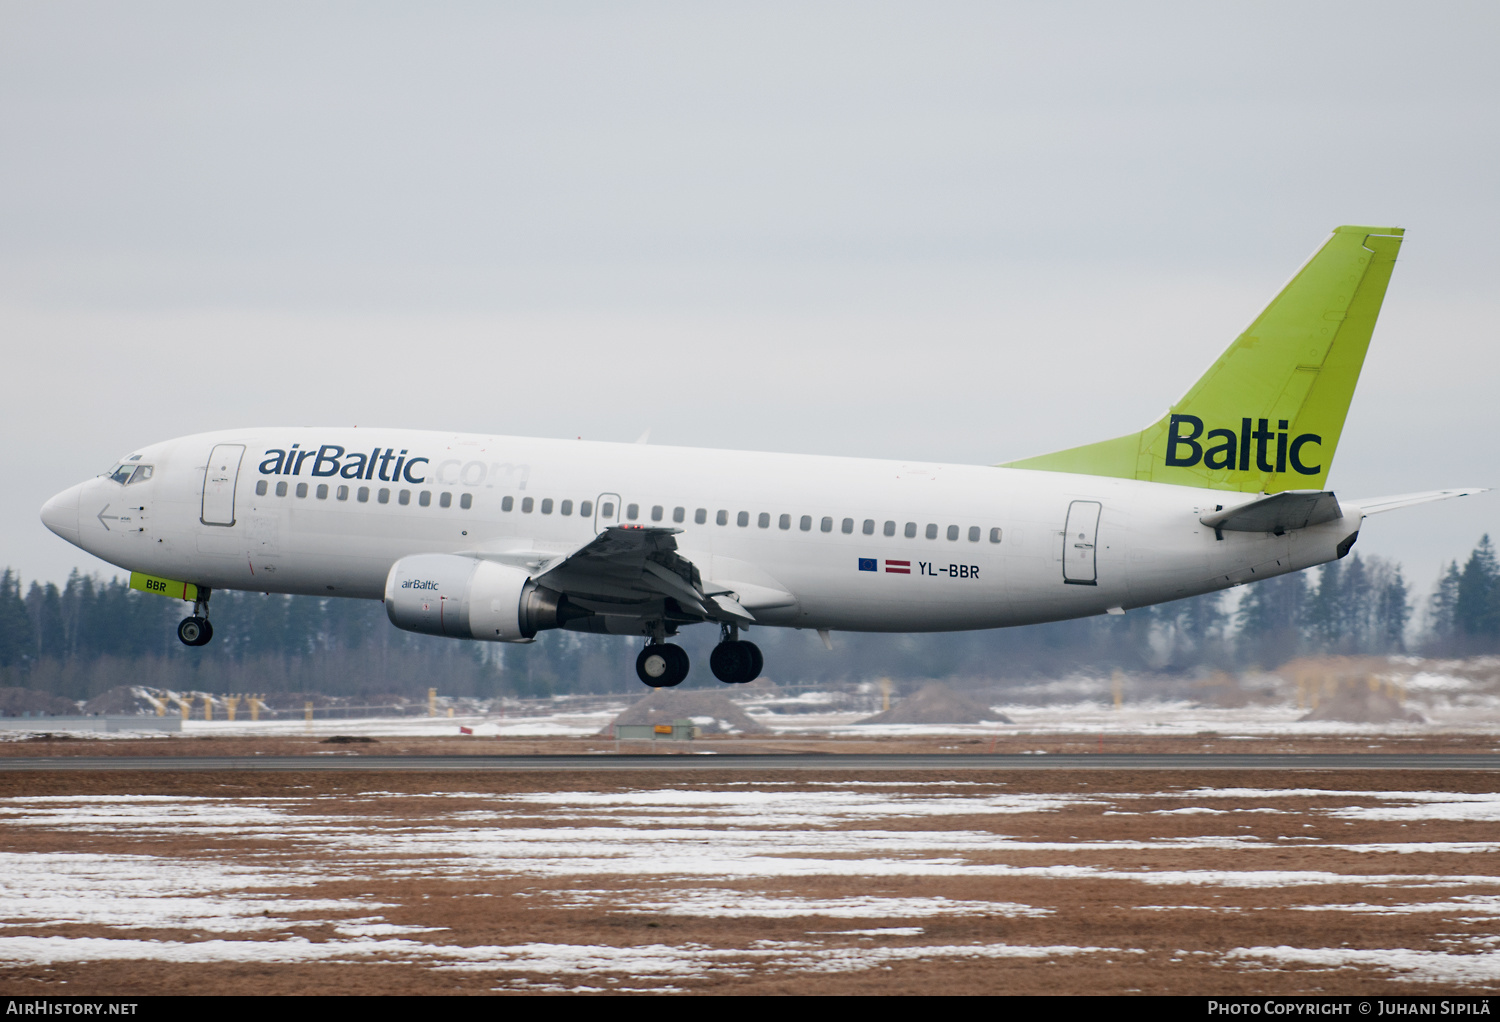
634 564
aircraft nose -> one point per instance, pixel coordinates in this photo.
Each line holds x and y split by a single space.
60 514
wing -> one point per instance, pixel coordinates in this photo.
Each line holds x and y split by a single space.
635 570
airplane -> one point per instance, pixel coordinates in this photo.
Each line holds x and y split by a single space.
500 538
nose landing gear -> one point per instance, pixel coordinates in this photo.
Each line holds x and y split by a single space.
195 630
735 661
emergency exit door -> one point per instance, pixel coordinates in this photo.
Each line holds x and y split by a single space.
219 478
606 511
1080 565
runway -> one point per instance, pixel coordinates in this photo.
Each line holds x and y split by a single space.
825 763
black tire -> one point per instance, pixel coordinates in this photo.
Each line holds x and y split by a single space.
760 661
208 632
662 665
193 631
736 663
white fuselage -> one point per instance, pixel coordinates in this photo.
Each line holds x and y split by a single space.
793 524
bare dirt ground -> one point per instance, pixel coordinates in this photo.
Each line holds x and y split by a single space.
934 882
85 744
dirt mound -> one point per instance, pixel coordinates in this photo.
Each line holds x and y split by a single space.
938 704
713 712
1358 702
120 699
16 702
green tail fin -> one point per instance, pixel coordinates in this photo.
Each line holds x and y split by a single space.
1267 416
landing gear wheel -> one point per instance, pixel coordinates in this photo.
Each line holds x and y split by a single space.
195 631
662 665
736 662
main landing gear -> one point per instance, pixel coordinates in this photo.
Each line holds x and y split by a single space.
195 630
665 665
662 665
735 661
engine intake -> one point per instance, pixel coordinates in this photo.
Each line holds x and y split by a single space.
469 598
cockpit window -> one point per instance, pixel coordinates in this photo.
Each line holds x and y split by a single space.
121 474
142 473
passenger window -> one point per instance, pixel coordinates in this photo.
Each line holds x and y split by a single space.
742 519
973 534
656 513
445 499
506 503
363 495
994 535
607 509
931 530
466 501
322 491
281 489
722 518
826 525
805 523
632 511
952 533
546 505
566 508
383 496
260 488
141 474
301 489
679 513
784 522
848 526
404 498
526 505
911 530
700 516
342 493
890 528
869 527
585 510
425 498
763 520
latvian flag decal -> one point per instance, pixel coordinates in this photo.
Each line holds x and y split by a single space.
898 567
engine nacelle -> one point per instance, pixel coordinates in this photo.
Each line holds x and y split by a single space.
468 598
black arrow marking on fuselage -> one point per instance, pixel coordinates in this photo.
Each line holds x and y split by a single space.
101 516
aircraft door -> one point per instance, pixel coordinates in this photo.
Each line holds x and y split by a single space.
606 511
219 479
1080 566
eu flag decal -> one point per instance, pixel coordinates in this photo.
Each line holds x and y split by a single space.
867 564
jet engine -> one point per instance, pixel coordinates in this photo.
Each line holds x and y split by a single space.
468 598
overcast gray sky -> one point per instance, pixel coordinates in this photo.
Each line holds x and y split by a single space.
944 231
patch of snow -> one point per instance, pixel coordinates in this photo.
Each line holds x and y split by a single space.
1409 965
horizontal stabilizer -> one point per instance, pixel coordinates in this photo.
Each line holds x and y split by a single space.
1281 512
1375 505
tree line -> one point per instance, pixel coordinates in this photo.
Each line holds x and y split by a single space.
90 634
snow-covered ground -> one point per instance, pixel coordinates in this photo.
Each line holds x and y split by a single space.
724 852
1175 718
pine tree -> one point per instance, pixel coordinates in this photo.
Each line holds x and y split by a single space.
1270 617
1323 620
1442 625
1476 608
1393 612
16 645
